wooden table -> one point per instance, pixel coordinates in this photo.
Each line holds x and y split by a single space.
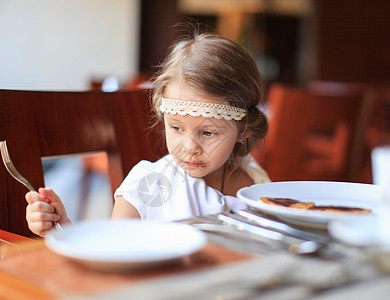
230 265
29 270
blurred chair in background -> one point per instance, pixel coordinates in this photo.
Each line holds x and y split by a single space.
40 124
378 132
313 135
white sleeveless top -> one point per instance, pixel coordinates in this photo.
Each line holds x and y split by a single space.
163 191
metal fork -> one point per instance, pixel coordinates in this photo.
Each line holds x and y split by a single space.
15 174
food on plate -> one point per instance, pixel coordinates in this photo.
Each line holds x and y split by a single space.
287 202
344 209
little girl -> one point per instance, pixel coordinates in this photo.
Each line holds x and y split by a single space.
207 95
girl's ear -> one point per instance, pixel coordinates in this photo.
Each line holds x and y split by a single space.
243 136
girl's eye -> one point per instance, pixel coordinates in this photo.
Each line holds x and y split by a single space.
175 128
209 133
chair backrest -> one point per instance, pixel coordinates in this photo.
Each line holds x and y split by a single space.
313 136
37 124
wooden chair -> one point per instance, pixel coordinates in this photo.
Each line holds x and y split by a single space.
313 136
38 124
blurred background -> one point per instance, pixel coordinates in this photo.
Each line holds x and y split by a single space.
67 44
118 44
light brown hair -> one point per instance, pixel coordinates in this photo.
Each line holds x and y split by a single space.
218 67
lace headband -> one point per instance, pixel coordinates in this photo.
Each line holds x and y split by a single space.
203 109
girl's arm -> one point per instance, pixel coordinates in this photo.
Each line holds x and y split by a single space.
44 207
124 210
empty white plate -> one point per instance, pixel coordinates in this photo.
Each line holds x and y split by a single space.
121 245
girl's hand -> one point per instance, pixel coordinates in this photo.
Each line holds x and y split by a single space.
44 207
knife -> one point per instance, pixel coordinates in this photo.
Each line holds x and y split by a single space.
280 227
293 244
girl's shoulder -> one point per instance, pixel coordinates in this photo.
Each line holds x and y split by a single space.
164 164
253 169
164 168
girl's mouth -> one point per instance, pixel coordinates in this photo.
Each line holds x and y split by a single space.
195 165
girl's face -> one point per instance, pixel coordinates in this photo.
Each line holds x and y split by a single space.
199 145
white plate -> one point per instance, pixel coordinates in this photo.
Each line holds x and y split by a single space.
122 245
319 192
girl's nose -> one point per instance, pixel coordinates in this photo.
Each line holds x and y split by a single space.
191 146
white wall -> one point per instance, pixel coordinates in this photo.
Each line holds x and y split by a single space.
61 44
